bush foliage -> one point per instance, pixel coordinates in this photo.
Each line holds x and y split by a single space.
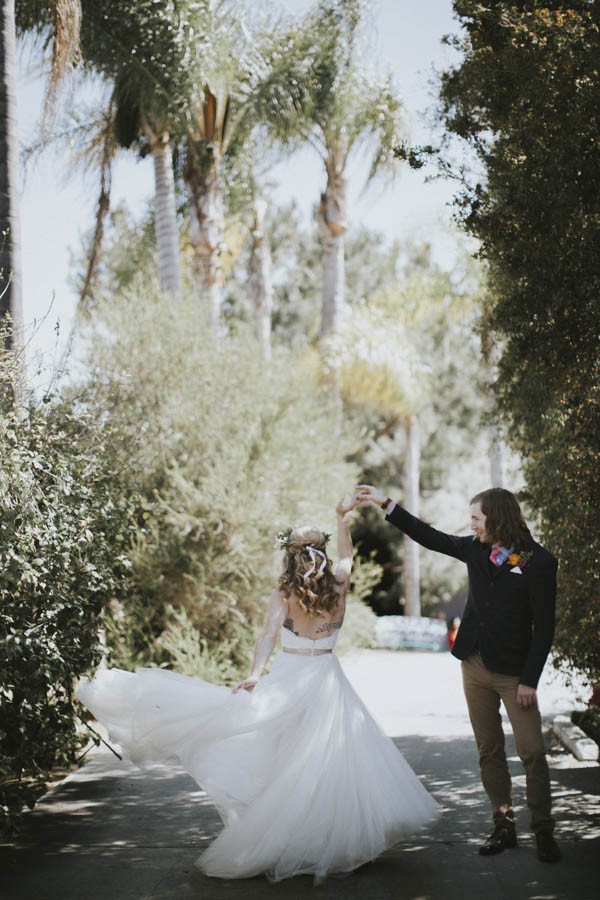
226 451
66 520
144 504
525 98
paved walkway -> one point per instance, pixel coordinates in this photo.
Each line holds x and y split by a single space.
111 832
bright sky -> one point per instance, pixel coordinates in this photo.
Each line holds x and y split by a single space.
58 208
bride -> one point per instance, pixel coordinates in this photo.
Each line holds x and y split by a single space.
302 776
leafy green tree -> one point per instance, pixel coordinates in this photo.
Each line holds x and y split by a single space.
525 99
380 370
405 358
437 317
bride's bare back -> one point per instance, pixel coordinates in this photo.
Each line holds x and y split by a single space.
316 626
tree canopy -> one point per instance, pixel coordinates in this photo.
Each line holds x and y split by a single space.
526 98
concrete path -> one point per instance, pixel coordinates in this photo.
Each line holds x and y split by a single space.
111 832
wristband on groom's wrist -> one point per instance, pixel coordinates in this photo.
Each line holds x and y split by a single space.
386 504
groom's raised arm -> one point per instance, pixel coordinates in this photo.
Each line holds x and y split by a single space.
419 531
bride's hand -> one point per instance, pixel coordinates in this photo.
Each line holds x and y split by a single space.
248 685
347 503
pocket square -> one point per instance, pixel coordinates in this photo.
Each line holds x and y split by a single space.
516 570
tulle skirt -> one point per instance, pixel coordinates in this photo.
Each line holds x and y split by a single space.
304 779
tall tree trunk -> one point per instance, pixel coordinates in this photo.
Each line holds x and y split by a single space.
11 299
331 218
412 570
259 279
102 209
205 192
165 212
497 448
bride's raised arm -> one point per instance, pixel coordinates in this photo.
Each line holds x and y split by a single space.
344 541
267 639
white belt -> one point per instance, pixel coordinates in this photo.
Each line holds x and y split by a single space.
312 652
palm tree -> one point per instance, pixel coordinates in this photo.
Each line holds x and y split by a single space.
87 135
141 47
322 94
189 84
224 115
138 123
203 177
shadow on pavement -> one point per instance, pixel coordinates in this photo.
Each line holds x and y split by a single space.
113 831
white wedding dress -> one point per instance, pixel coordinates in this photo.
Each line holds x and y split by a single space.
304 779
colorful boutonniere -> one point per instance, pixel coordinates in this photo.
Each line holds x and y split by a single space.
519 558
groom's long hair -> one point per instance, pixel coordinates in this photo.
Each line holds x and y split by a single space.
504 520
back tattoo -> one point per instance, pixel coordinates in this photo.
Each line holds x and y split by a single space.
325 628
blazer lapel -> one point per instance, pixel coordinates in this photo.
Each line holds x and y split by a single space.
487 565
500 569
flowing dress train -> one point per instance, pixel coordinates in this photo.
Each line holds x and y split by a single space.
303 777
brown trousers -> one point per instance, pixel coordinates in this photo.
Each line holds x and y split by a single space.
483 691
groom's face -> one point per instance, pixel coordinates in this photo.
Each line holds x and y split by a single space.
478 524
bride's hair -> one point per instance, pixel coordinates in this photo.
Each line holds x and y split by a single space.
317 592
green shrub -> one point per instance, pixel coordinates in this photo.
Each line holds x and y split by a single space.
189 653
226 451
65 529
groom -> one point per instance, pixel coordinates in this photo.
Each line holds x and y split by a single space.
503 641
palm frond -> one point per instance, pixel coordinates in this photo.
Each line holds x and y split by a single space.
379 366
79 136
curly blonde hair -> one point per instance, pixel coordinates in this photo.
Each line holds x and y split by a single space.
319 592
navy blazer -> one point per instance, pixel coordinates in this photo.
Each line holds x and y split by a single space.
509 618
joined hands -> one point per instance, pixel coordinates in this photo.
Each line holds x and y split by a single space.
366 493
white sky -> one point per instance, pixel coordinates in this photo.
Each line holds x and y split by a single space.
57 210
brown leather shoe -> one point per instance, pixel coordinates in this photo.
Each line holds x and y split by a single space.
502 837
547 848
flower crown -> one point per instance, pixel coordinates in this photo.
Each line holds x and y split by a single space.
284 538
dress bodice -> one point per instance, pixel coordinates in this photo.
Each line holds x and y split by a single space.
296 642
